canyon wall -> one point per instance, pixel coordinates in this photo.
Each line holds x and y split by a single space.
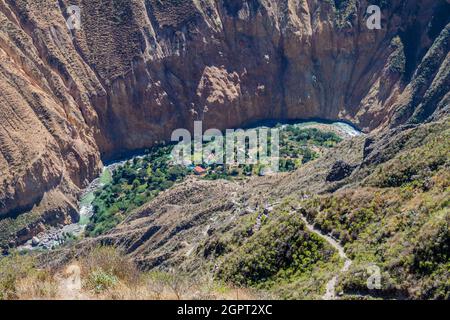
138 69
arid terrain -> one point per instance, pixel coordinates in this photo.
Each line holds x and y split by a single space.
74 99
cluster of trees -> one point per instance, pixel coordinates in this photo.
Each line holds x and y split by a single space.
293 134
296 143
295 150
133 184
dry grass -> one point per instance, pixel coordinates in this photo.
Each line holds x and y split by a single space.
20 279
40 285
104 267
105 273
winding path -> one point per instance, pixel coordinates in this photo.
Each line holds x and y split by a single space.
330 294
69 284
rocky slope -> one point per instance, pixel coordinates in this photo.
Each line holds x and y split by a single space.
138 69
390 209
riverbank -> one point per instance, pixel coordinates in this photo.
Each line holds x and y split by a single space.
54 236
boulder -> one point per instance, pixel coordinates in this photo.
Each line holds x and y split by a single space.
35 241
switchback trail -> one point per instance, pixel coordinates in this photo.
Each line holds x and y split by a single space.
330 294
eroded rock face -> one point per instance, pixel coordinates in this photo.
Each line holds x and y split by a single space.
137 70
164 64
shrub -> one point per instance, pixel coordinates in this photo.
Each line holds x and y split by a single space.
104 267
99 281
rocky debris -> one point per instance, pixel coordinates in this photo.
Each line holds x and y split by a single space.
46 240
56 236
340 171
53 237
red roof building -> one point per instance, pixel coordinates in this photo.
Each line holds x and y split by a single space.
199 171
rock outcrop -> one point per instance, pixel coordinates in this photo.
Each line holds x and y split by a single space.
136 70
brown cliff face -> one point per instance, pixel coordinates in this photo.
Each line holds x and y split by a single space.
48 150
137 70
233 62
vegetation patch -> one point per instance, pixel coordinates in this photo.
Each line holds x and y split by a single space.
20 278
282 253
402 230
132 185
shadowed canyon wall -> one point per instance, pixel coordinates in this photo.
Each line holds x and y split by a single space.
138 69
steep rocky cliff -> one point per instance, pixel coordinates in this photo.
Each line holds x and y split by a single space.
136 70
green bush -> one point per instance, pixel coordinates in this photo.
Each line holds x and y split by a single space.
99 281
